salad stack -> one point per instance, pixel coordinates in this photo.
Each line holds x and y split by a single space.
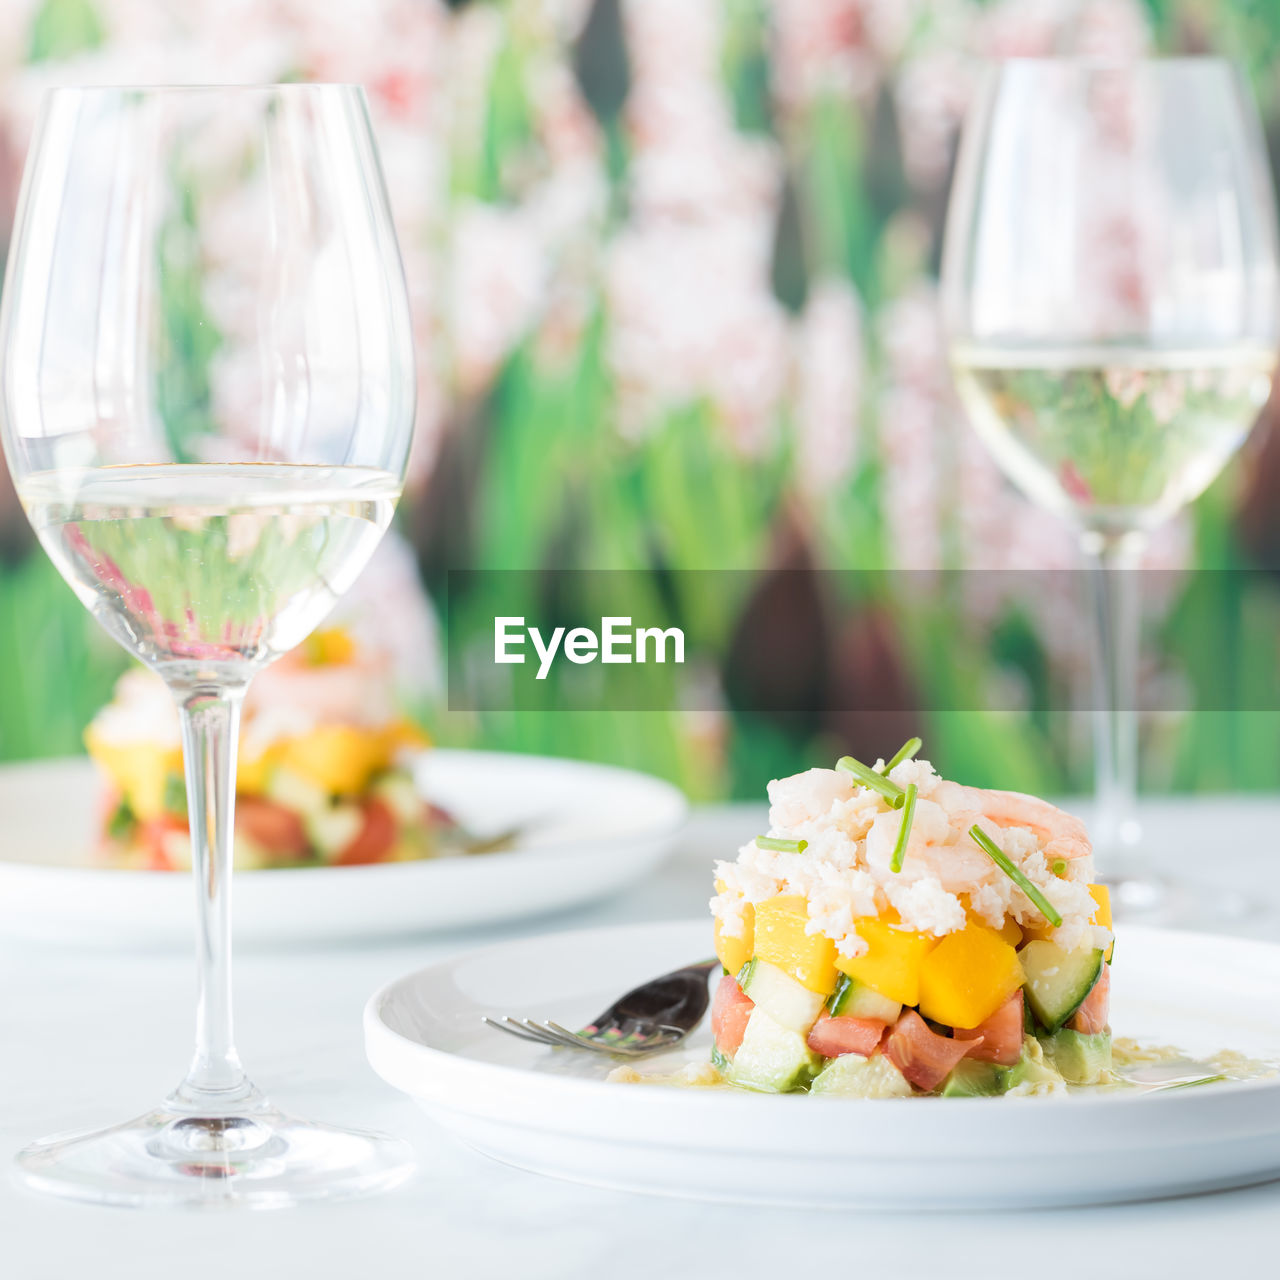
323 775
896 934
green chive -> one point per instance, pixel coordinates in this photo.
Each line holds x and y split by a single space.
904 831
1001 859
905 752
870 778
781 846
1059 867
1189 1084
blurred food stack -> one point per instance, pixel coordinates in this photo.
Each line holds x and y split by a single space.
323 776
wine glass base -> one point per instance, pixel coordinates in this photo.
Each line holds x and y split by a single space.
255 1158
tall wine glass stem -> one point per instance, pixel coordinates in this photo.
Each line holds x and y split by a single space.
210 728
1113 560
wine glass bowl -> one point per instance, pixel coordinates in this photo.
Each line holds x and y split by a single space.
1110 295
208 396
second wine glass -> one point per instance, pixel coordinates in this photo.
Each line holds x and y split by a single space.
1110 297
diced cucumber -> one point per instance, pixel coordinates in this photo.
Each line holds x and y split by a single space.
854 999
1057 981
332 828
853 1076
771 1058
401 795
296 792
1079 1058
719 1061
970 1079
786 1001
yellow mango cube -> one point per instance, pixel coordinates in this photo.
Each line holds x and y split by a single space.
338 757
968 976
891 964
138 769
253 773
330 647
403 733
1010 932
733 952
1102 896
1037 930
1102 915
781 940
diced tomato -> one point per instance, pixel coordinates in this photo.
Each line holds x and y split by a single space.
833 1036
374 840
439 817
153 840
276 830
1091 1017
923 1056
1000 1035
730 1010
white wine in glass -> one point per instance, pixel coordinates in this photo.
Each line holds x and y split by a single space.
208 400
1110 298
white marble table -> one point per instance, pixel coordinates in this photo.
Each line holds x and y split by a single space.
90 1037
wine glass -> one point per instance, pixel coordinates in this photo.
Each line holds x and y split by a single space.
208 398
1110 297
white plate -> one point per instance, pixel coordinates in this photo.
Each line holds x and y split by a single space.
554 1113
592 829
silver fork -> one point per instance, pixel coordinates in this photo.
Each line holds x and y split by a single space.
655 1015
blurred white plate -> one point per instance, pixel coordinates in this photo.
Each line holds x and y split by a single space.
553 1112
592 829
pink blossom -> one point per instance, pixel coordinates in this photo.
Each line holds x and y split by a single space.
829 384
1111 29
1124 384
692 315
931 94
499 278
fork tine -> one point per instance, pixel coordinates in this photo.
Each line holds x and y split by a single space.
543 1032
567 1038
514 1028
597 1044
529 1028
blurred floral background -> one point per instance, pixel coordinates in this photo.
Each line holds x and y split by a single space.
673 265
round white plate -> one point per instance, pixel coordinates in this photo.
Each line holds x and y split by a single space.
553 1112
591 829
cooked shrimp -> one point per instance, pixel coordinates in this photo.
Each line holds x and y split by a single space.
1061 835
806 796
937 846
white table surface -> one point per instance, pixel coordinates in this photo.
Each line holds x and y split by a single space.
89 1038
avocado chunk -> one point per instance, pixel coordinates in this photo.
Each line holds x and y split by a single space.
1031 1069
970 1079
1078 1058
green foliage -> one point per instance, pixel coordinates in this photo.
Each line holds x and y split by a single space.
558 485
839 225
189 337
745 64
64 28
57 667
